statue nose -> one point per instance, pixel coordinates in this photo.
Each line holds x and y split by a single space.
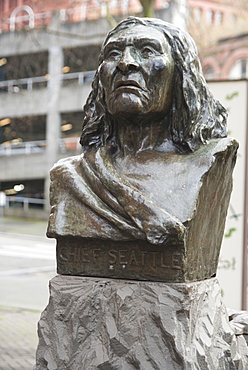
127 61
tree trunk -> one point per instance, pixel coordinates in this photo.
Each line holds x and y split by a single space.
147 7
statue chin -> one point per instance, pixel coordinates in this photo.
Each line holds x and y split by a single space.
127 104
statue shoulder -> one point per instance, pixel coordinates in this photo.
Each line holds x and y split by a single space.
65 164
224 143
219 147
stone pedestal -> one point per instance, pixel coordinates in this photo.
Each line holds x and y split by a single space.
107 324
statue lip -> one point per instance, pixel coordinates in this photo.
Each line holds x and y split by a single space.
127 83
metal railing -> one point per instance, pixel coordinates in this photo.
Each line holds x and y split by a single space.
23 83
69 144
14 86
29 147
80 77
25 203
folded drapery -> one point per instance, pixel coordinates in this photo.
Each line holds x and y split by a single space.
148 195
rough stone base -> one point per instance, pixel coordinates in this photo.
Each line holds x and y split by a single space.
93 323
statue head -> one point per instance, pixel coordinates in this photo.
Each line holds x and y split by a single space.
150 69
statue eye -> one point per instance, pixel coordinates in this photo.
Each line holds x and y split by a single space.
113 54
147 51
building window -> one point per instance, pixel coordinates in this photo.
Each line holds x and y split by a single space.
71 126
16 131
210 17
197 15
24 188
82 58
218 18
25 65
239 70
243 68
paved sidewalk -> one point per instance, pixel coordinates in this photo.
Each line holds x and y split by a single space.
18 327
18 338
26 226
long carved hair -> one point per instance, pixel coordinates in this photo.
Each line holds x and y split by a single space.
195 115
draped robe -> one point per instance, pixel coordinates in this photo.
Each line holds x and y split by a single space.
149 195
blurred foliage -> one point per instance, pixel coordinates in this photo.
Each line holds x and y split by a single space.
147 6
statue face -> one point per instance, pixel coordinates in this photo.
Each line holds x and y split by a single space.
137 72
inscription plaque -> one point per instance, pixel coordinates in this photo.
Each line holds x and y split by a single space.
127 260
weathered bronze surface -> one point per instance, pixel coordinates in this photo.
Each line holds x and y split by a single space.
155 174
137 259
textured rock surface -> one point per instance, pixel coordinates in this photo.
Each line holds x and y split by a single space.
239 323
93 323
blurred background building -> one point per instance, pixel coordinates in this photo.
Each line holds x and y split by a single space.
49 51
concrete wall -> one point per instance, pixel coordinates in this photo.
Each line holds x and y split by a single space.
35 102
24 103
72 98
19 167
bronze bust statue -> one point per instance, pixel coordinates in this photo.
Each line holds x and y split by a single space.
156 166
